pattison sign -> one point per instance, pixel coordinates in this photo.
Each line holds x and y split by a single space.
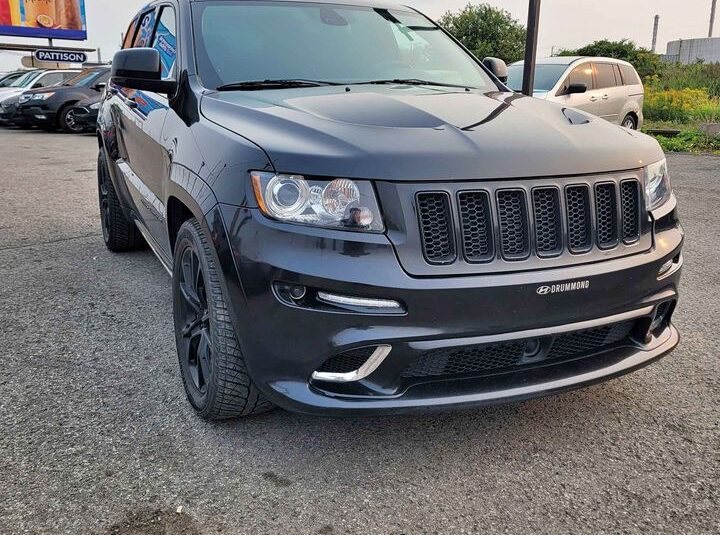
61 56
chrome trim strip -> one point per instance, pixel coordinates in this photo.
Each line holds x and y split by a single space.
372 364
337 299
536 333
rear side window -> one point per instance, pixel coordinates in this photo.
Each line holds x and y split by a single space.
130 35
145 31
582 74
165 42
629 75
51 79
605 75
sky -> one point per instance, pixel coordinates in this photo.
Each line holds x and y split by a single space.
563 24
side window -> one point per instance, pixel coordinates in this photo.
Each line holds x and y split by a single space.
68 76
630 76
582 74
50 79
605 75
145 31
165 42
130 35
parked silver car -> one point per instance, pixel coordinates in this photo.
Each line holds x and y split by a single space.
606 87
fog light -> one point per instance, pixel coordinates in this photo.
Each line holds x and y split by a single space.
41 117
667 266
343 300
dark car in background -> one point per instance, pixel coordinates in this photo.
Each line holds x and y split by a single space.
53 108
9 111
359 216
85 113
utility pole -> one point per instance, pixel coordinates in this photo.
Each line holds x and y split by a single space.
533 30
655 33
712 18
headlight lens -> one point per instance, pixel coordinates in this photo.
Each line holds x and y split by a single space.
342 203
657 185
42 96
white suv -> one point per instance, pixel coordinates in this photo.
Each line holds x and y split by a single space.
606 87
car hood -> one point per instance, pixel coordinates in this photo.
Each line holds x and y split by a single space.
413 133
9 93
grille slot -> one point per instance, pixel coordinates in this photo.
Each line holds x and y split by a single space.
577 199
436 227
512 216
347 362
606 213
482 359
548 221
630 203
476 222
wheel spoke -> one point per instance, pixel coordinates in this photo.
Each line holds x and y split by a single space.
203 359
190 297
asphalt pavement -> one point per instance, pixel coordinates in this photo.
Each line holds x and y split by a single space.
96 436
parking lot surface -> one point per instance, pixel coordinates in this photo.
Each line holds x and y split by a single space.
96 435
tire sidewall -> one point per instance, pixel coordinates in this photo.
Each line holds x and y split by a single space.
188 236
630 118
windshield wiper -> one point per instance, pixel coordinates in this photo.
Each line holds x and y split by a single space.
273 84
410 81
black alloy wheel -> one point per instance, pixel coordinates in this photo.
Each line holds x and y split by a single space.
195 347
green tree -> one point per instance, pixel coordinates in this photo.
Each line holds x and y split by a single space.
487 31
645 62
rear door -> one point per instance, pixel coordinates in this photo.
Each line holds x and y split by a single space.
588 101
612 93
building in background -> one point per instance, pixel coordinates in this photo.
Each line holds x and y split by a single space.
687 51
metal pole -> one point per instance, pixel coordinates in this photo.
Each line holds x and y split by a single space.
712 18
655 32
531 47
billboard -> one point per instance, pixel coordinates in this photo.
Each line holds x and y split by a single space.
59 19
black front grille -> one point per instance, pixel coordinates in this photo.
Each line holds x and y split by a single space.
436 227
548 221
347 362
630 203
606 209
482 359
512 216
515 223
476 221
577 199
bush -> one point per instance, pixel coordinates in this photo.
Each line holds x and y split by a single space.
689 141
695 76
681 105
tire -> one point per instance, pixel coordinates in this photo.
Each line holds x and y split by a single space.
630 122
67 122
212 365
119 233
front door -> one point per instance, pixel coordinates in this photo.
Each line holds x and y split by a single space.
588 101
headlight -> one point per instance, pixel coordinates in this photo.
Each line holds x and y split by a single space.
342 203
42 96
24 98
95 106
657 185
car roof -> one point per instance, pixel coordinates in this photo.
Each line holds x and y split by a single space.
571 60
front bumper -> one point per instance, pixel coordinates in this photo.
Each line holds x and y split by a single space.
37 116
285 343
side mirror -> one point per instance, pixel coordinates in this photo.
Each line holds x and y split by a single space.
37 85
576 89
99 87
498 67
140 68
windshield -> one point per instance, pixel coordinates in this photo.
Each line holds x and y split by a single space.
245 41
26 79
546 76
8 79
84 78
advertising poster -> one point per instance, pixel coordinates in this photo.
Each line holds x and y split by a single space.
61 19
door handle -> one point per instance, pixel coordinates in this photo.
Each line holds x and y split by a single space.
593 99
605 97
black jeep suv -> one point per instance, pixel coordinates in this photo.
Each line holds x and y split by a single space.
359 216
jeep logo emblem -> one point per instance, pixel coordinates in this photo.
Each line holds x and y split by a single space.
563 287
